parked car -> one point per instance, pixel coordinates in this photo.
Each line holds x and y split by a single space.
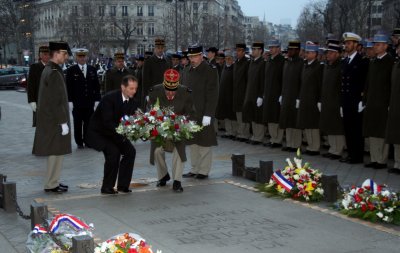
13 77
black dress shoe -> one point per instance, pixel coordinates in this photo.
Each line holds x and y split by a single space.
394 171
176 186
380 166
63 185
335 157
201 176
163 181
56 190
344 160
355 160
255 142
268 144
327 155
108 191
124 189
285 149
242 139
224 136
292 150
370 165
275 145
311 153
190 174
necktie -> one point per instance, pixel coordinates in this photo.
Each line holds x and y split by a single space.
83 71
125 110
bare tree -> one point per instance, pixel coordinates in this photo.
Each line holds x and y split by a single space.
125 29
310 25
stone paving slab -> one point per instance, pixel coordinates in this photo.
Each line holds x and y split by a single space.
221 217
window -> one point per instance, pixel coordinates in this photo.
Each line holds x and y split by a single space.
86 10
140 49
101 11
113 11
150 29
140 11
75 10
195 6
139 29
376 21
205 6
124 11
151 47
151 10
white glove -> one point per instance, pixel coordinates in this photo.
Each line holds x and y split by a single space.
65 129
360 107
70 106
280 100
147 98
96 104
33 105
341 112
259 102
206 121
297 103
319 106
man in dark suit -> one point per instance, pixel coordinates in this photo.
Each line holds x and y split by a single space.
83 91
354 72
114 75
102 135
35 71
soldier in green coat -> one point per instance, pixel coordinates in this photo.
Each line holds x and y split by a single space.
376 102
52 136
114 76
171 94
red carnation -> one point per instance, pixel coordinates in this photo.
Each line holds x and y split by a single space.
176 126
364 208
172 116
132 250
385 199
127 123
160 118
152 112
358 198
360 190
367 187
146 119
154 132
371 206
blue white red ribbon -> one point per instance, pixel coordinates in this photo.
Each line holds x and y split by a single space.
70 219
374 187
39 229
282 181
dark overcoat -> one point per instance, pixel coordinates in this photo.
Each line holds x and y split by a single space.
106 118
182 104
393 122
240 69
377 97
52 111
225 98
330 121
254 90
273 89
203 81
114 77
291 84
310 93
35 71
153 72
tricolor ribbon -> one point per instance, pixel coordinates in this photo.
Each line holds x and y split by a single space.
70 219
374 188
282 181
39 229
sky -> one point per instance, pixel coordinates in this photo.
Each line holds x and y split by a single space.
276 11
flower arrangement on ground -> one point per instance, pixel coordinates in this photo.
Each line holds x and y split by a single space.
371 202
295 181
159 124
124 243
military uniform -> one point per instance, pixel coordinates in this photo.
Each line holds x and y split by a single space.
240 71
114 77
83 91
376 100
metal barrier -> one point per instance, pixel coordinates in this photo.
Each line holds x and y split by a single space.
260 174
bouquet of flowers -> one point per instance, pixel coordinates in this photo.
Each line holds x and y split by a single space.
295 181
159 124
371 202
124 243
55 236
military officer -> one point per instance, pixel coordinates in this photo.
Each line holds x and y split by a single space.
202 79
291 84
309 97
211 56
220 61
154 67
225 108
330 121
148 54
114 75
393 122
52 136
176 62
376 101
395 42
83 92
370 52
138 73
171 94
252 106
354 70
35 71
272 91
240 69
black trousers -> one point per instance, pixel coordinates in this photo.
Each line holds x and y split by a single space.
352 122
115 166
81 122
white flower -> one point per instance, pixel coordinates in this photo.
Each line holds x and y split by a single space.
289 162
320 191
389 210
345 203
385 193
296 177
386 218
380 215
297 161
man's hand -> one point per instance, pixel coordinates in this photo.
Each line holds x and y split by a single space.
280 100
297 103
360 107
259 102
319 105
33 105
96 104
65 129
206 121
341 112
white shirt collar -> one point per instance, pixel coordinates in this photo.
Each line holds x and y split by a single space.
310 62
351 57
380 57
80 66
124 98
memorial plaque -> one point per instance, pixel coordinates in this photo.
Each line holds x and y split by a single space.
224 218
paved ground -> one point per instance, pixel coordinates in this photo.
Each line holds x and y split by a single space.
83 172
